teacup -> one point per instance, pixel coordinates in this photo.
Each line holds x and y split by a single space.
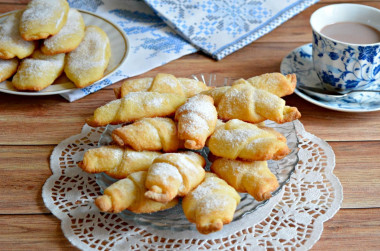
343 66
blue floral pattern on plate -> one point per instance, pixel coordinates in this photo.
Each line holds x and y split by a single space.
300 62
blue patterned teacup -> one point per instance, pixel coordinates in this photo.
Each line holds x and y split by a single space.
345 66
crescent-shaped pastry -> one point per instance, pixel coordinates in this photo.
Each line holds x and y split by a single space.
163 83
196 121
253 177
43 18
238 139
174 174
211 205
87 63
68 38
117 162
128 194
8 67
152 134
275 83
134 106
11 43
250 104
38 72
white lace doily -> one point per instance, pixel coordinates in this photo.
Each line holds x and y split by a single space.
291 219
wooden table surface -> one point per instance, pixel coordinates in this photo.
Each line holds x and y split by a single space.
30 128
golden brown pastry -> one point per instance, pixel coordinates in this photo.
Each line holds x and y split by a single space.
275 83
8 67
253 177
163 83
117 162
128 194
136 105
11 43
87 63
250 104
43 18
211 205
38 72
68 38
238 139
174 174
196 121
152 134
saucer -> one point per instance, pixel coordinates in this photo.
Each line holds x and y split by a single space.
300 62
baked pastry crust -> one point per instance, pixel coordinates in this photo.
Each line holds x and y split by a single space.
196 121
244 102
211 205
8 67
43 18
38 72
134 106
253 177
152 134
174 174
275 83
239 139
68 38
11 43
87 63
128 194
163 83
117 162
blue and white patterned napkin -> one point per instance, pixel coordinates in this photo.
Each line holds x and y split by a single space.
221 27
152 42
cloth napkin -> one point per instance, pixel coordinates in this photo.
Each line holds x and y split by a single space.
152 42
221 27
160 31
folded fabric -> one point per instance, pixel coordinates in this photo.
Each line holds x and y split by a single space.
152 42
221 27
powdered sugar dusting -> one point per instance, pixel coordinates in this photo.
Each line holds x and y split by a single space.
196 113
212 203
200 106
6 65
72 27
192 123
9 32
146 99
90 53
164 172
206 188
41 12
234 138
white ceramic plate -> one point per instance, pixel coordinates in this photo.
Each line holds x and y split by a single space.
300 62
119 51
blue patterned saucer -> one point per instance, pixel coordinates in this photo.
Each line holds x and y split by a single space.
300 62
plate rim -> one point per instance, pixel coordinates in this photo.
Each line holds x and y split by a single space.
42 93
319 103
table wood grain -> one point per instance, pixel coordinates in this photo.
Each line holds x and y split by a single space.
30 128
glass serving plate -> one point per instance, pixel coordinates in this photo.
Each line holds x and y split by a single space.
174 218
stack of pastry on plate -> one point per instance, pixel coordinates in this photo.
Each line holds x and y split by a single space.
164 119
47 38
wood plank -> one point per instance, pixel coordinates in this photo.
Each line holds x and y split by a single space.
25 169
6 7
32 232
349 229
298 29
358 169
